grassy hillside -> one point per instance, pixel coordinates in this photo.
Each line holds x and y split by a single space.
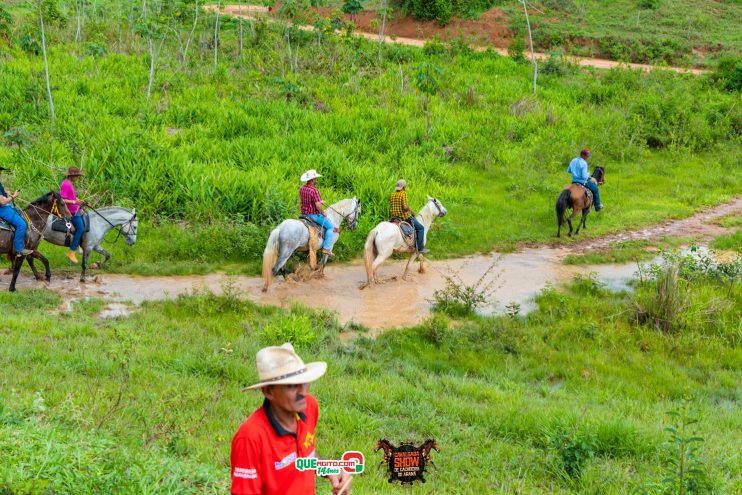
212 159
571 399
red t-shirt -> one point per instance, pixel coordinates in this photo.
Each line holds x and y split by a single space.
264 454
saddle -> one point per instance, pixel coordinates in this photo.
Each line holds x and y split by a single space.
588 192
406 229
315 231
4 225
311 224
60 225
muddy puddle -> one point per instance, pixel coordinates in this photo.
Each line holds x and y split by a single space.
513 278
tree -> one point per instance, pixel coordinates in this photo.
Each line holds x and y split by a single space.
46 66
530 38
427 82
152 29
352 7
216 33
6 23
181 16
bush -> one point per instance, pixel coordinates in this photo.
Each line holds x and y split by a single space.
574 449
650 4
663 307
728 73
296 329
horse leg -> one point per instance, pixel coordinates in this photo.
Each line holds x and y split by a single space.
286 253
569 221
407 266
47 269
422 263
29 260
85 256
582 221
106 257
380 258
16 270
322 263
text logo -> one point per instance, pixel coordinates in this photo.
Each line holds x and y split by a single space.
407 463
351 462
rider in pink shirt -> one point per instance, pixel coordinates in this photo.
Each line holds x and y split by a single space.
69 195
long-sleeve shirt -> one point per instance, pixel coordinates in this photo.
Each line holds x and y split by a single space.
578 169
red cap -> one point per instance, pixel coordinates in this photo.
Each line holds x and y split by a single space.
586 152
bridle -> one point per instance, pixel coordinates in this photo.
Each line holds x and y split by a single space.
129 224
352 224
441 211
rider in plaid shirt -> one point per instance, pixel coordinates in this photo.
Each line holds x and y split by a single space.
312 207
399 207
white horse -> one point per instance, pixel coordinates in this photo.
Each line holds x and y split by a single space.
293 235
101 222
386 239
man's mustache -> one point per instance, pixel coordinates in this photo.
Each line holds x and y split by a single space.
299 398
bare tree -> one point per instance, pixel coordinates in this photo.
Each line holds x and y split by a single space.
184 47
239 15
79 11
46 66
383 25
530 39
216 33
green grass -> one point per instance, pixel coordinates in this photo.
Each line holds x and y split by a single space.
731 242
210 151
494 392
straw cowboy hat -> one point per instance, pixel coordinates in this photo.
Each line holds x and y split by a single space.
280 365
309 175
401 184
74 172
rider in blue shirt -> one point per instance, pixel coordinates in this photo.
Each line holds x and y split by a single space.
581 175
8 213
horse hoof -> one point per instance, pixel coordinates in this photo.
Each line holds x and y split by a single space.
83 280
94 266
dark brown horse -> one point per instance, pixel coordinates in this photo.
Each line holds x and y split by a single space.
575 196
36 213
427 447
387 446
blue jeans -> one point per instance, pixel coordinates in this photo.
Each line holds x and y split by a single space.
596 193
77 221
330 235
9 214
419 233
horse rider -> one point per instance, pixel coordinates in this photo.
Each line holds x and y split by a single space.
313 208
69 196
581 176
8 213
399 207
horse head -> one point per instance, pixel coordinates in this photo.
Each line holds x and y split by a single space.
441 210
383 444
129 229
599 175
430 445
352 218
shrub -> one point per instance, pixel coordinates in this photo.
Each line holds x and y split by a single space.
684 469
575 449
728 73
296 329
650 4
516 47
662 308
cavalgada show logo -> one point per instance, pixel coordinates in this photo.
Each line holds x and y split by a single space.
351 462
407 463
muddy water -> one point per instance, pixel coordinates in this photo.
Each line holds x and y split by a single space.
515 277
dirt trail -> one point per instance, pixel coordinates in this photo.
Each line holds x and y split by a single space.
488 32
399 303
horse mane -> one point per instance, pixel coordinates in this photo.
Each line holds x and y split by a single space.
598 173
42 200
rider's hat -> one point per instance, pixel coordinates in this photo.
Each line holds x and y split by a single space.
74 172
281 365
401 184
586 153
309 175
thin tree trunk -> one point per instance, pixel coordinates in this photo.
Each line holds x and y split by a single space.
190 35
533 54
239 3
150 43
79 19
216 34
46 67
383 25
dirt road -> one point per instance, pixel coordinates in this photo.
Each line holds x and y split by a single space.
397 303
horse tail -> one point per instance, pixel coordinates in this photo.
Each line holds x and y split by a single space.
564 201
270 255
369 253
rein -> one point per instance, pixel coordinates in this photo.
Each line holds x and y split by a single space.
354 212
119 228
54 212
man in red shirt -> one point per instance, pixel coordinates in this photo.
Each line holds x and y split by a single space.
266 446
313 208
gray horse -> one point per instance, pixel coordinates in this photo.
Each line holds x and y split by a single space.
101 222
292 235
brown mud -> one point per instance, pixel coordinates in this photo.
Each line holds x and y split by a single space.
514 278
490 31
